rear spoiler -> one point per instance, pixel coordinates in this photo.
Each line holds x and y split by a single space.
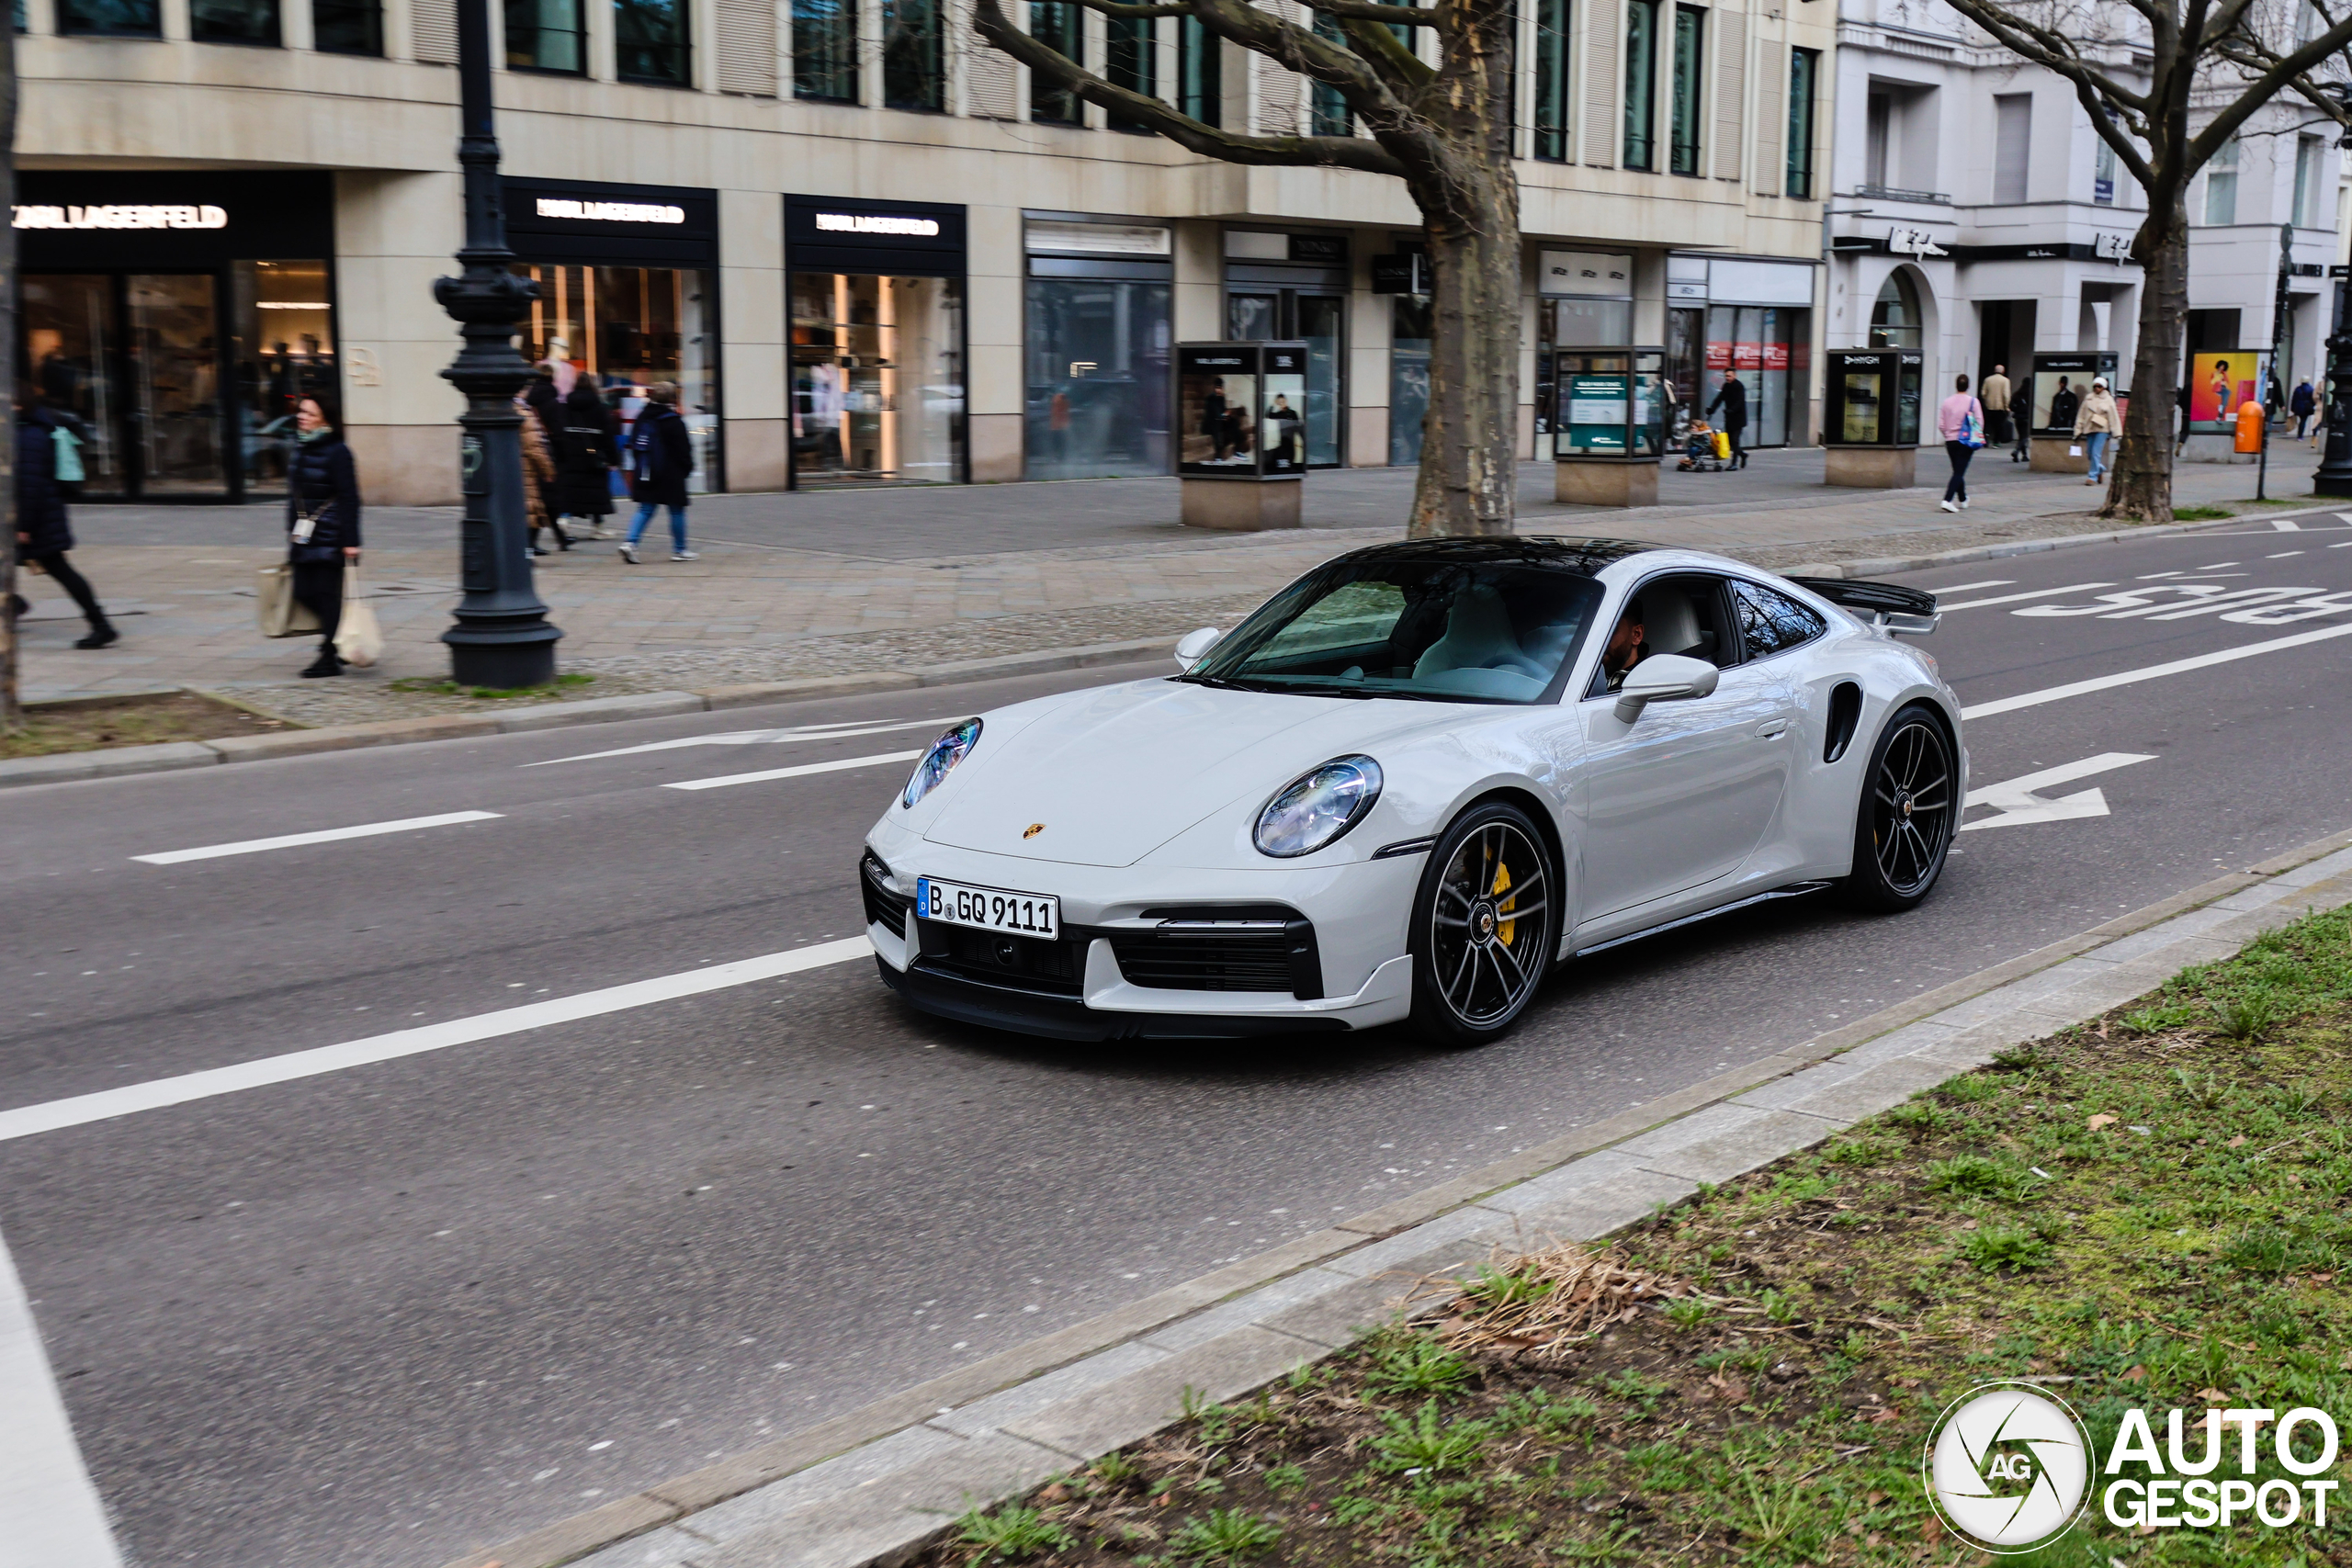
1888 605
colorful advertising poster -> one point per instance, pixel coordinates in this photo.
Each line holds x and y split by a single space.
1216 395
2218 383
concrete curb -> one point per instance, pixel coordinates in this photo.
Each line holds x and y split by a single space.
871 1487
70 766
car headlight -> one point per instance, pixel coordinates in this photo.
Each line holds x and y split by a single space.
1318 807
944 753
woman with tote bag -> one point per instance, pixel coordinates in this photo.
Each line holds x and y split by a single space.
321 525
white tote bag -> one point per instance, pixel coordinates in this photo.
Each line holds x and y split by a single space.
358 639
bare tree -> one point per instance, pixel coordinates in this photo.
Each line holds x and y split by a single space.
1445 130
2166 84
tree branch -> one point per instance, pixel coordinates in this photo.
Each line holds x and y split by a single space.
2282 73
2049 49
1404 71
1137 13
1367 11
1297 151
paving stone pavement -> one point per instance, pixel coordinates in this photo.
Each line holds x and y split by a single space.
841 1500
799 584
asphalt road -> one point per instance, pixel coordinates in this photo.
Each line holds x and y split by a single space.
375 1316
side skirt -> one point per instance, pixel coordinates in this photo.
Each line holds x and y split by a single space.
1794 890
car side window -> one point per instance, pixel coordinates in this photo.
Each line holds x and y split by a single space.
1682 615
1772 623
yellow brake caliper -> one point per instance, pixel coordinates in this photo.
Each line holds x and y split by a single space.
1508 928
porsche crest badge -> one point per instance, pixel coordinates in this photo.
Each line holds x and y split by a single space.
1032 829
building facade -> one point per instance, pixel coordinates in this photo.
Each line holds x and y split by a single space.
1977 217
865 246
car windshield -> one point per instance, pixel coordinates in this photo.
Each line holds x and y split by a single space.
1434 629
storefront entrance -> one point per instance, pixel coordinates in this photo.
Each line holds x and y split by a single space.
182 360
1294 288
877 342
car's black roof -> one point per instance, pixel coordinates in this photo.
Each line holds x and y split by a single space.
1586 556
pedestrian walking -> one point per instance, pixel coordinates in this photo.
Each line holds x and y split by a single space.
660 456
2096 424
321 524
538 473
44 532
2303 405
1993 393
1961 419
1732 399
585 456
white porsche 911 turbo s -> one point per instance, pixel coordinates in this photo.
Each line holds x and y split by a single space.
1411 782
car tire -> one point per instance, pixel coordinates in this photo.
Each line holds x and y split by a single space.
1906 816
1479 951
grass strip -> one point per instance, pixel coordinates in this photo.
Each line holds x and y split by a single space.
2146 1210
96 724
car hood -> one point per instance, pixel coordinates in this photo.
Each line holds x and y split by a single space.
1117 773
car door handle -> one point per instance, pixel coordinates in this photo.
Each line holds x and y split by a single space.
1771 729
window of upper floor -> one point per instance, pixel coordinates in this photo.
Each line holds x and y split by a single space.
651 43
2012 148
1689 90
2103 171
1899 140
2220 207
546 35
233 21
1641 85
1551 98
914 56
2311 181
824 50
1805 78
110 18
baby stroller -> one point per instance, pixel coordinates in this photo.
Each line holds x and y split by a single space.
1707 451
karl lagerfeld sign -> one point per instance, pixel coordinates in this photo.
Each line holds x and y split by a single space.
122 216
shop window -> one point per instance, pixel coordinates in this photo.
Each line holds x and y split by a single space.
824 50
1551 81
119 18
282 349
1682 151
625 328
546 35
1200 86
1409 376
650 42
1132 63
1059 25
233 21
1098 381
348 27
914 68
1895 316
1641 85
1804 68
878 379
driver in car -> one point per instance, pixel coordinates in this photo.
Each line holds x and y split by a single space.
1626 648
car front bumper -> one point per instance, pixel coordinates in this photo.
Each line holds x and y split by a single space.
1152 953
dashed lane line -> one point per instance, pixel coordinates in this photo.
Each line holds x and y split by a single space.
154 1095
2019 598
292 841
842 764
2148 673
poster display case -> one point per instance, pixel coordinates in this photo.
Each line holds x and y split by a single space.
1609 424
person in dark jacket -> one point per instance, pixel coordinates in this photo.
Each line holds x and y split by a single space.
585 456
660 456
1732 399
44 534
2304 404
321 524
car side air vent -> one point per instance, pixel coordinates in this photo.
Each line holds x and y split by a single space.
1845 713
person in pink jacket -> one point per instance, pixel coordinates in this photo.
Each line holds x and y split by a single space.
1952 414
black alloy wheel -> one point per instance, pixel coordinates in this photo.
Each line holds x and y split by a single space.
1485 926
1909 811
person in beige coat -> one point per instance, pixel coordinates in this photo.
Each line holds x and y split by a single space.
2097 423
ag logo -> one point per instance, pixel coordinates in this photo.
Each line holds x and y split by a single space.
2008 1467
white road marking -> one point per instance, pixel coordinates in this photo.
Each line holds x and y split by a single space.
2157 576
292 841
2346 545
2282 554
49 1512
106 1104
2289 525
2017 800
757 737
2149 672
1965 587
2217 566
2017 598
841 765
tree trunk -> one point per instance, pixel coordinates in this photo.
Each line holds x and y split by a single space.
2141 490
1469 475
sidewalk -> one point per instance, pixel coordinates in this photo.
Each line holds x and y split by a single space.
821 583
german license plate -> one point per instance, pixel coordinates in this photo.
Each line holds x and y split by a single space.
988 909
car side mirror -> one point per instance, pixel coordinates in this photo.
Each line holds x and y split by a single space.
1664 678
1197 645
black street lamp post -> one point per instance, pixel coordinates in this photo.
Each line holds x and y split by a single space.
2335 476
503 636
2276 377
